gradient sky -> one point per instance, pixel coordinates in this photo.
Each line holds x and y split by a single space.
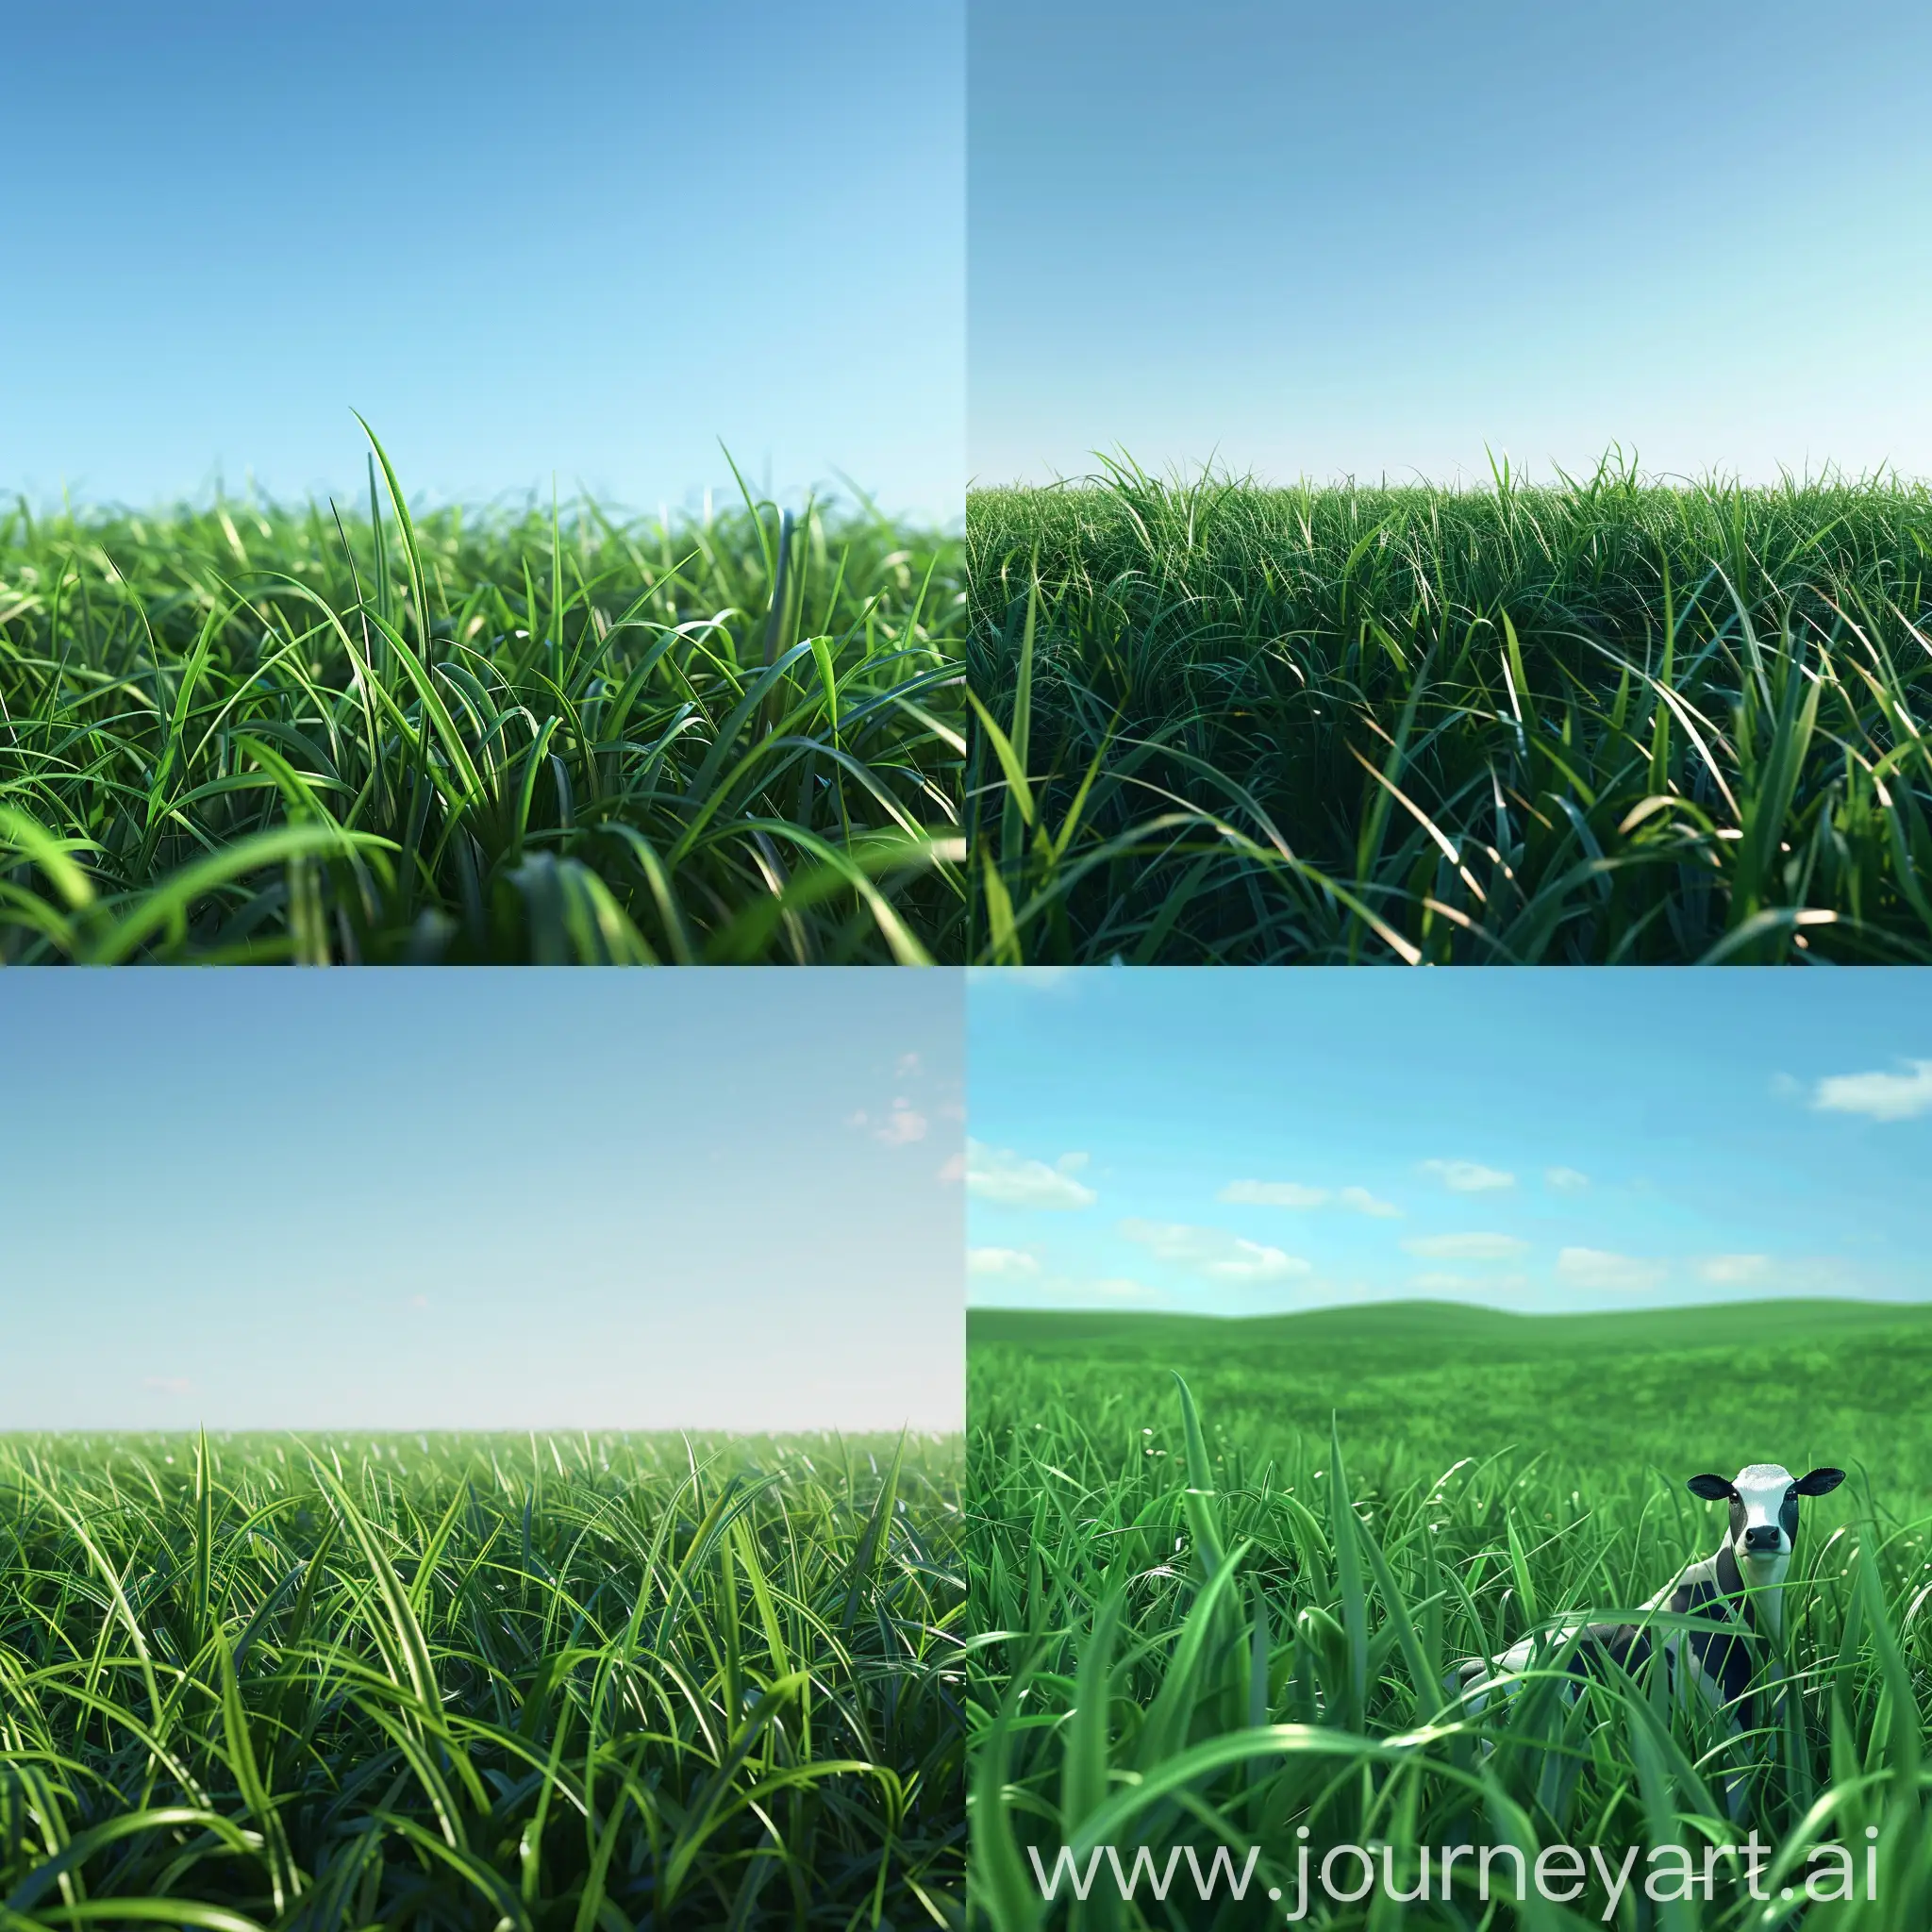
1327 240
591 242
697 1199
1541 1142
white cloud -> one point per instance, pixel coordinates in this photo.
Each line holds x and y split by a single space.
1599 1269
996 1174
1727 1270
903 1124
1294 1194
1212 1252
1877 1097
1002 1264
899 1126
1467 1247
1468 1176
1361 1201
1271 1194
953 1168
907 1065
1565 1180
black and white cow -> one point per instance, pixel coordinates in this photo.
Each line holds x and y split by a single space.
1739 1589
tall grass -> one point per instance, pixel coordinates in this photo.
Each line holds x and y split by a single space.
257 733
1607 720
592 1681
1184 1642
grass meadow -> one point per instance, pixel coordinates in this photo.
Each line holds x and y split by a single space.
252 733
589 1682
1220 1570
1607 721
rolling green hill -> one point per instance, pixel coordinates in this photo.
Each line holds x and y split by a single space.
1707 1386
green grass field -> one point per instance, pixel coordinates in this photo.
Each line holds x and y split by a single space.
573 1682
258 733
1205 1619
1605 721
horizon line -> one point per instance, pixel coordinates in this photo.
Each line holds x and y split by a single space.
1767 1301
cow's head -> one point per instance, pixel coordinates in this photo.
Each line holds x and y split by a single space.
1764 1511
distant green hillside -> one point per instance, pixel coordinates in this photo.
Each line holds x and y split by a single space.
1715 1386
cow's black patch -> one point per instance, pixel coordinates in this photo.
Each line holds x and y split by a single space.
1724 1656
1817 1482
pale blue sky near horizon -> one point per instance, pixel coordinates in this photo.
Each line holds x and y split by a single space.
705 1199
1319 241
1540 1141
586 246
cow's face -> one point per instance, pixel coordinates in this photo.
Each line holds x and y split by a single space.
1764 1512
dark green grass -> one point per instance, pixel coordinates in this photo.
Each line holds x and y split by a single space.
570 1682
1215 1623
257 733
1611 720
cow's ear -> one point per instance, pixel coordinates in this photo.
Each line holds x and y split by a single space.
1818 1483
1714 1489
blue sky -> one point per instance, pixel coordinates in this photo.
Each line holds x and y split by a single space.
589 242
1541 1142
701 1199
1330 239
